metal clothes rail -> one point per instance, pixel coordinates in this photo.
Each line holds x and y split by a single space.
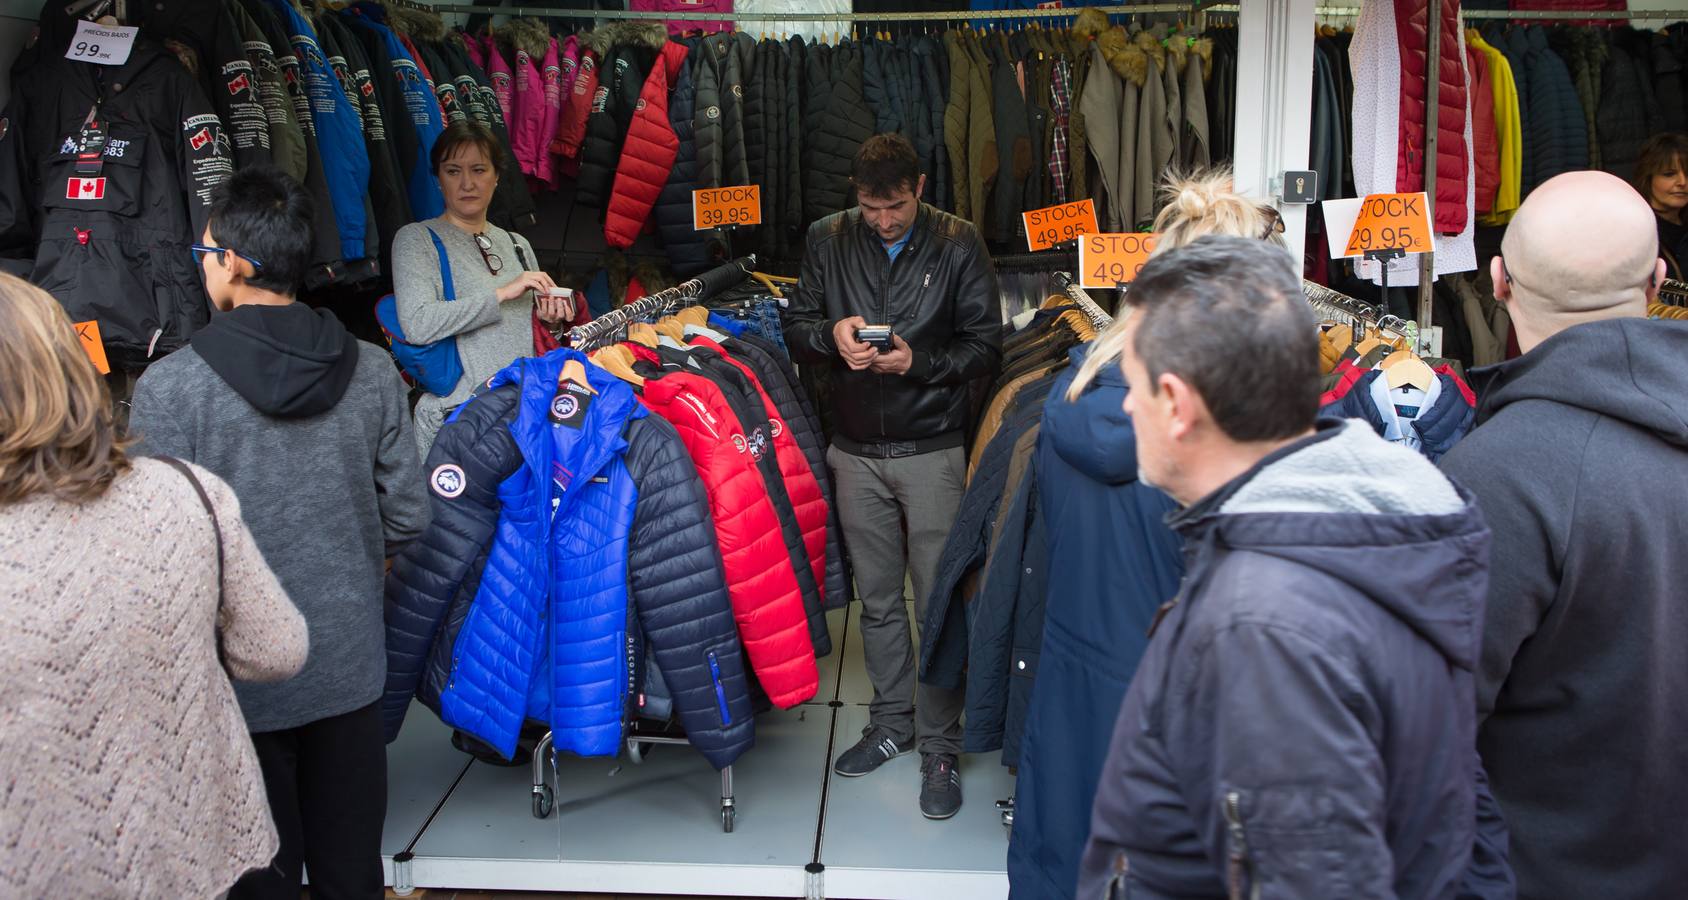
585 337
1473 14
1098 318
1341 306
1123 9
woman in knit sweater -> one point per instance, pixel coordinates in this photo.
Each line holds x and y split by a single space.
494 275
125 766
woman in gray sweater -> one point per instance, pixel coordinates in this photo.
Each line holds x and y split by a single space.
124 760
493 272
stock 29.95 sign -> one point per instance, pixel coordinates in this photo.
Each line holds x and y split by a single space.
1391 222
1057 224
717 207
1110 260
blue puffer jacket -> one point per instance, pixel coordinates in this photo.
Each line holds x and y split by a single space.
515 604
1303 723
1106 579
1439 428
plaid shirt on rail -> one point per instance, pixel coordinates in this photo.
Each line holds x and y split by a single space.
1061 104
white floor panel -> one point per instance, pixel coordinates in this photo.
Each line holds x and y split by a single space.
421 766
876 844
843 644
655 827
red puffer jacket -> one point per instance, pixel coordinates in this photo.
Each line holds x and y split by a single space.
577 106
1485 150
1452 168
766 602
647 155
806 496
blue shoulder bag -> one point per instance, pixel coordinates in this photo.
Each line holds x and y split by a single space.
435 367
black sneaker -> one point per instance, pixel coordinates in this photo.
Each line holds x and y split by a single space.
940 786
875 749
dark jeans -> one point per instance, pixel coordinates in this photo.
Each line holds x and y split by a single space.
327 784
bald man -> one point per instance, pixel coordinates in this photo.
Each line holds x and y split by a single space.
1580 464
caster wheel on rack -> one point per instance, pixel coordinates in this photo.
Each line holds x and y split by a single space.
542 802
728 815
636 751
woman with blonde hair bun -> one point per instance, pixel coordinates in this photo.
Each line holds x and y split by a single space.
1112 562
132 593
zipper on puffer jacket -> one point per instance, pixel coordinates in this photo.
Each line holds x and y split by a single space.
1118 887
1238 869
720 689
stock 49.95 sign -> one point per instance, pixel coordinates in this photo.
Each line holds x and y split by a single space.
1110 260
1057 224
715 207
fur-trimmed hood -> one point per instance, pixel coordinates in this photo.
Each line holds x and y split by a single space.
416 24
1127 60
1152 47
527 35
648 34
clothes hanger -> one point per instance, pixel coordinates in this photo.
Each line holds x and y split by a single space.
574 370
1402 368
618 361
642 333
693 315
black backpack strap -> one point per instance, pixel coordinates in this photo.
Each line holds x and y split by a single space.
216 530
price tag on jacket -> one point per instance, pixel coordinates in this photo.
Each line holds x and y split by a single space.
1057 224
1110 260
715 207
88 333
1391 222
105 45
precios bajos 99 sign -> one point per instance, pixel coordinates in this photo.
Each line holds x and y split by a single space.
737 205
1058 224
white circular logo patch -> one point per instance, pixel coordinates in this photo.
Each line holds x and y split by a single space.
738 441
778 428
713 112
448 481
640 105
564 406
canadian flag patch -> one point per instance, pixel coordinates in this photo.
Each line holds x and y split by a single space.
200 138
240 83
85 189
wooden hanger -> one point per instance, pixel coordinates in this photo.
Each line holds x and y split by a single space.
642 333
574 370
618 361
1403 368
672 327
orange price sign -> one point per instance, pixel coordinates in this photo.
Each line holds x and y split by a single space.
1391 222
1056 224
89 334
715 207
1110 260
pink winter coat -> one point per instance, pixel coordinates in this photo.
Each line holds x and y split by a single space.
557 71
686 6
529 116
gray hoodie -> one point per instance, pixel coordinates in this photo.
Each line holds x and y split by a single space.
1580 462
311 429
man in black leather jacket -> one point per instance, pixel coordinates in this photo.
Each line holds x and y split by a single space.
899 414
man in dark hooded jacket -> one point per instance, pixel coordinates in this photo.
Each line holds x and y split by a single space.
1578 460
311 429
1300 725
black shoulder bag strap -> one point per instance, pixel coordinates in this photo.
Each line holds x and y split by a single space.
216 531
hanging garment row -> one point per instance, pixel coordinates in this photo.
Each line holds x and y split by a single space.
641 119
108 171
658 519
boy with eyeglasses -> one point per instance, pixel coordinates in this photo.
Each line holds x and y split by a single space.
312 429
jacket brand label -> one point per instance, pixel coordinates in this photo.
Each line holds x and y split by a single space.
758 444
569 406
85 189
448 481
200 138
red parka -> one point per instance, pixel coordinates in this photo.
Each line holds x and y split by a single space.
647 155
577 106
1452 167
760 583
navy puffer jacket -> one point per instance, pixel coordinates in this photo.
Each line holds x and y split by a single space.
688 252
1556 132
676 589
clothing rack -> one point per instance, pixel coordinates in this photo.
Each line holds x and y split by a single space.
1514 14
1673 292
1341 306
695 290
1187 7
1098 318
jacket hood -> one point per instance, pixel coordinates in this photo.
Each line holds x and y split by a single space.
1373 515
1151 46
287 361
416 24
646 34
1091 22
1204 49
1126 59
527 35
1628 369
1093 434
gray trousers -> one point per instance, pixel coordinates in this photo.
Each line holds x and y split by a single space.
875 498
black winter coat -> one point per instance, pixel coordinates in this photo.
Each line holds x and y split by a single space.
1670 66
933 94
687 250
621 78
836 132
789 214
681 612
225 72
111 245
1556 135
388 199
1627 113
